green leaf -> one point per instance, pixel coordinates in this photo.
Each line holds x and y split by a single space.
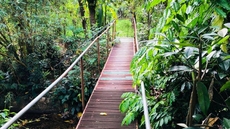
154 3
226 123
224 4
208 37
167 13
91 60
170 34
202 29
197 117
166 120
166 54
193 22
225 86
221 12
227 57
3 115
176 6
175 25
210 34
222 32
183 44
180 68
210 55
223 40
227 25
128 118
160 25
161 122
190 51
171 97
179 17
124 106
225 64
203 97
222 75
157 124
189 9
182 87
127 94
224 48
218 21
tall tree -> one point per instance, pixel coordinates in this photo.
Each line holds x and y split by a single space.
92 10
82 12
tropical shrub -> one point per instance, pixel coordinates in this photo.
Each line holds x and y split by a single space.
39 40
185 66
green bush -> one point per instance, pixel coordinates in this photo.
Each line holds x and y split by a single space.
185 68
124 28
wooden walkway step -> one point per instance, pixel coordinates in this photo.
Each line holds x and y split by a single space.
114 80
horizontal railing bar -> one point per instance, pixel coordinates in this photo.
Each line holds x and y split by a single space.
28 106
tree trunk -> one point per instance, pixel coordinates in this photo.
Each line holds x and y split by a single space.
92 11
82 13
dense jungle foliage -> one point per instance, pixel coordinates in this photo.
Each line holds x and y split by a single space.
184 64
183 59
38 41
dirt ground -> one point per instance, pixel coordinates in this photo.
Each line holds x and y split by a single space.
47 121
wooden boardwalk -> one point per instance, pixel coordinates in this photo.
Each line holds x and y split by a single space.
114 80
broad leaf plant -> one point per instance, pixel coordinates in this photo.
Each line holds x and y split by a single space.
184 66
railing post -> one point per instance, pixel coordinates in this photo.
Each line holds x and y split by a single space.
114 30
107 43
82 85
98 54
136 47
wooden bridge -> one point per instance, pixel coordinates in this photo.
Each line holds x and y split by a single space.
102 109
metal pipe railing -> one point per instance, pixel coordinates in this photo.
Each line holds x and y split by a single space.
36 99
145 105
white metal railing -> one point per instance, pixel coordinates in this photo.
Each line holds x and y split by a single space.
145 105
35 100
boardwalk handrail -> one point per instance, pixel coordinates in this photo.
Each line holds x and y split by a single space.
145 105
36 99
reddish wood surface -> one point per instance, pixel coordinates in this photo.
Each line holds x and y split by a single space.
115 79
